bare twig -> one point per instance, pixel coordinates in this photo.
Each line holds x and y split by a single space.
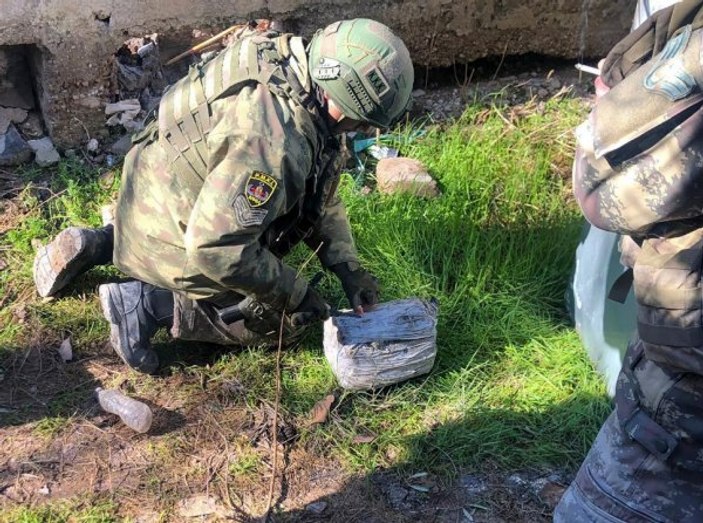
206 43
502 59
274 445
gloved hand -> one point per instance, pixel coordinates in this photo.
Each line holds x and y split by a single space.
313 308
360 286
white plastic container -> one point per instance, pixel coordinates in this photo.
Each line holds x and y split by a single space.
135 414
395 342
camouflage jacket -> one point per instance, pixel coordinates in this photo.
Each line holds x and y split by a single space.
270 180
639 162
639 171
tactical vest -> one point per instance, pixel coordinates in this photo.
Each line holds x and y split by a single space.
184 123
184 111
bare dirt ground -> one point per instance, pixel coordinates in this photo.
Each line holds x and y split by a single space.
190 464
208 454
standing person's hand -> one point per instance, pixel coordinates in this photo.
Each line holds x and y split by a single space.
601 88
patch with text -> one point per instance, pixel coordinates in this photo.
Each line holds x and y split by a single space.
259 188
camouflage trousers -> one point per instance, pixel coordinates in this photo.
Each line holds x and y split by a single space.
646 464
199 320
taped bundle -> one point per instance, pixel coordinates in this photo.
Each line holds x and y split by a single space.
395 342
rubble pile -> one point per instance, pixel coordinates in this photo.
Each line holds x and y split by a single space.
139 81
22 134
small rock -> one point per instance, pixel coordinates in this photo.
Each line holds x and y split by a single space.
396 175
13 149
10 115
473 485
542 92
200 505
396 495
45 153
70 153
32 127
44 490
93 145
516 481
66 350
417 93
130 105
316 508
122 146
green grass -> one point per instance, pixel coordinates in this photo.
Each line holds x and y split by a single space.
70 511
512 386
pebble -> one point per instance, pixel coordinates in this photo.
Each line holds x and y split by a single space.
317 508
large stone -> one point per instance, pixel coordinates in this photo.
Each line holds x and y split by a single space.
13 149
45 154
406 175
10 115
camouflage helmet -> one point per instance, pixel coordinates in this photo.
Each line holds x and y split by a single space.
364 68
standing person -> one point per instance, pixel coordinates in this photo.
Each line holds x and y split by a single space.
241 164
639 172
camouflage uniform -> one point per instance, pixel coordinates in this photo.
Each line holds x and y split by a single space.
212 220
639 171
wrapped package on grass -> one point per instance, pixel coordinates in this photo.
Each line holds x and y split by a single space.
395 342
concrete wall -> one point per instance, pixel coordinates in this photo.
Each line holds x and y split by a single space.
77 38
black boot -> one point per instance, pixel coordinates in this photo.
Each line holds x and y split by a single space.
135 311
71 253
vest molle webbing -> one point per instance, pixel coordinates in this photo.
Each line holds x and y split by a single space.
184 111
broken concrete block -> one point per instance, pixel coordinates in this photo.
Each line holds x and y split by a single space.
9 115
130 105
395 175
45 153
13 149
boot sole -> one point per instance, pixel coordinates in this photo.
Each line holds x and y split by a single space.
49 280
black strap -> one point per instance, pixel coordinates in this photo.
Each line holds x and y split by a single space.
621 287
671 336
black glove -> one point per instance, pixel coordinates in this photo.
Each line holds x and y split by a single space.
313 308
360 286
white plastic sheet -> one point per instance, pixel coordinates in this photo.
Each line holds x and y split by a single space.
395 342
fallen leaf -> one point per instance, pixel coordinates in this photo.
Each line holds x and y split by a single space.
66 350
321 410
360 439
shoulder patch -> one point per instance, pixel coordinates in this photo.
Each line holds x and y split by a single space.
669 76
259 188
246 216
